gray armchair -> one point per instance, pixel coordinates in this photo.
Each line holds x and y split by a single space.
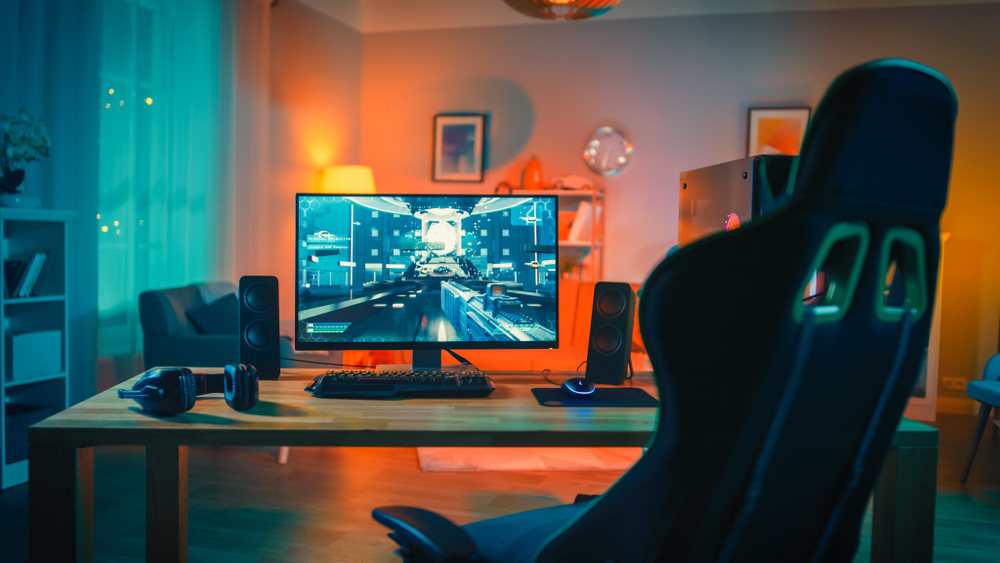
171 339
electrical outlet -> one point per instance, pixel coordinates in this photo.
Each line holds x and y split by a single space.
954 383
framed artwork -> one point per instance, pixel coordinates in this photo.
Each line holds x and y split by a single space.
776 130
458 148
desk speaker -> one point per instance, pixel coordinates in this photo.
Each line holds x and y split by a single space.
610 333
259 325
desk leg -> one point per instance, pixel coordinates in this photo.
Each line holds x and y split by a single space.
903 513
60 503
166 504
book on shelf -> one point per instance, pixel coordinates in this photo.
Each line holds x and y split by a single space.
32 275
579 230
13 271
41 275
27 274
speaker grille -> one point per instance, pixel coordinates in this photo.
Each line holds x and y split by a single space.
259 334
607 340
258 297
611 303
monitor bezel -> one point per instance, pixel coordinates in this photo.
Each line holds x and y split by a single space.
400 345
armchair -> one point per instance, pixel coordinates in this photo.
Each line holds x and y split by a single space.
170 338
776 413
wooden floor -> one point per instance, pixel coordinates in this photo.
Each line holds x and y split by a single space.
245 507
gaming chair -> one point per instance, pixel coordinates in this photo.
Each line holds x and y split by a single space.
776 411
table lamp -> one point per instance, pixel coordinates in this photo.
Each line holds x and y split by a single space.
348 179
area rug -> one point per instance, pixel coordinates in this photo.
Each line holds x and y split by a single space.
527 459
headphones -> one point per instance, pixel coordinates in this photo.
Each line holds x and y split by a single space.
170 391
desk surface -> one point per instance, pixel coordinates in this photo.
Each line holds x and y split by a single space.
286 415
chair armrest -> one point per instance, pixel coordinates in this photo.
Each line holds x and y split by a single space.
425 536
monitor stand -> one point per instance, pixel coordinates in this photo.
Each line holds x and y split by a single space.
423 360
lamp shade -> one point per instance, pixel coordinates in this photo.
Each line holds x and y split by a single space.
349 179
562 9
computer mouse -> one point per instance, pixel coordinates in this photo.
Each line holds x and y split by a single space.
578 387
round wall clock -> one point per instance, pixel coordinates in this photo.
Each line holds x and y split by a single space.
607 151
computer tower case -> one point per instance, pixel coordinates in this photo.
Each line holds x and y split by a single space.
723 196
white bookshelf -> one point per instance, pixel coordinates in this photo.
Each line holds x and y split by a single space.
25 232
590 247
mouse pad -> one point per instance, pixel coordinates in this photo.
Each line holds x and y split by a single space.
602 397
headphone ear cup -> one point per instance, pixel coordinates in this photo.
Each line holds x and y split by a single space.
164 392
188 389
240 386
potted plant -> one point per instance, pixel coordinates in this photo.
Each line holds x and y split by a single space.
25 139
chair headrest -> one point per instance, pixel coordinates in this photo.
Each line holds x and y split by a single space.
870 139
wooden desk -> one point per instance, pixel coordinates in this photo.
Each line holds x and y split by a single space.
61 455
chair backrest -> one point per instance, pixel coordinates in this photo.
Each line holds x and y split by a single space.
776 413
162 311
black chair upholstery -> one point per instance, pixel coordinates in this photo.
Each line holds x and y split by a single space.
776 413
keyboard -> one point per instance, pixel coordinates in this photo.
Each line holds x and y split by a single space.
368 384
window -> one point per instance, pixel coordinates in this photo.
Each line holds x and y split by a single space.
374 213
506 233
506 252
484 232
374 252
395 232
482 252
374 232
395 252
161 187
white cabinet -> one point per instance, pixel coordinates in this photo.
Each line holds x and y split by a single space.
34 325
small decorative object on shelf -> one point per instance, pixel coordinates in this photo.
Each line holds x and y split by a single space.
531 177
25 139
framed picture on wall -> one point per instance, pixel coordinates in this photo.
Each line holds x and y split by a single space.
458 147
776 130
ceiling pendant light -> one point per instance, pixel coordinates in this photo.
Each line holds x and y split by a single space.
562 9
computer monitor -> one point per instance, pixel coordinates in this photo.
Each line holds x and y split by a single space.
426 273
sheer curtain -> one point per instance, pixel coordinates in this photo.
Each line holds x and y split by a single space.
158 170
183 150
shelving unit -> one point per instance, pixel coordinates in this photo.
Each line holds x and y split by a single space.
24 400
572 253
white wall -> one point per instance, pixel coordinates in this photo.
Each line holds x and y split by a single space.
315 93
680 87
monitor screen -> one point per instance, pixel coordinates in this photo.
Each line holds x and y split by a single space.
426 272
